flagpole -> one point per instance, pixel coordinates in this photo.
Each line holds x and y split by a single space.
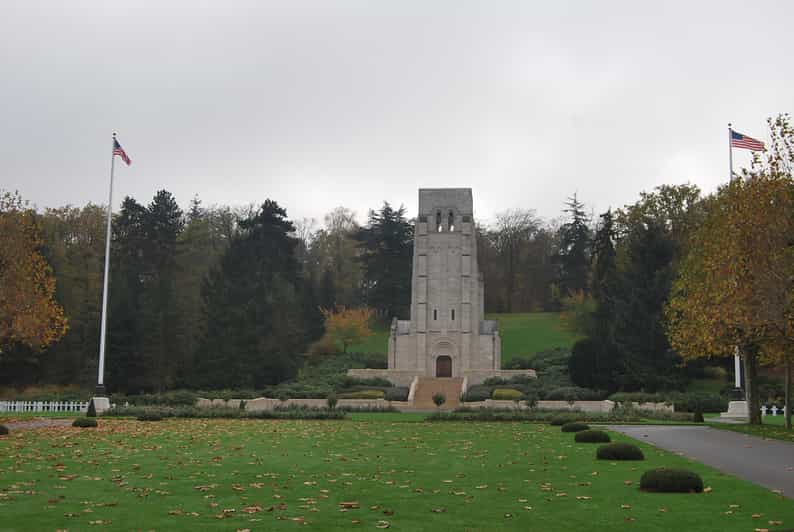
100 387
737 365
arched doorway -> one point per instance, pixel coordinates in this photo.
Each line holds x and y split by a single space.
444 366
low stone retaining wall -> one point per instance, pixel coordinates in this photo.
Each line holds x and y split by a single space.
474 376
267 403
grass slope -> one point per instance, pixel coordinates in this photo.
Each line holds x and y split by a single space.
277 475
522 335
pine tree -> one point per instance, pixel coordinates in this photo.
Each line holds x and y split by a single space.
255 329
386 254
574 252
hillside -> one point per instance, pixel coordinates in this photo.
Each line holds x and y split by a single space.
522 335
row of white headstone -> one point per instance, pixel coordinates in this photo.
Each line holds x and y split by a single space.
43 406
774 411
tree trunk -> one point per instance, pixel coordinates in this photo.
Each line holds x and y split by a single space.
750 357
788 392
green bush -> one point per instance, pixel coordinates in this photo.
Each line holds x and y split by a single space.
378 382
671 481
331 401
506 394
561 419
494 381
574 393
84 422
478 392
439 399
397 393
575 426
697 417
592 436
619 451
150 416
3 430
699 402
363 394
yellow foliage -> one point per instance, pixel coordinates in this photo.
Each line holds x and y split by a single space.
347 326
735 284
29 314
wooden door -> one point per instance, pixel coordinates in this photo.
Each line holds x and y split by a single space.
443 366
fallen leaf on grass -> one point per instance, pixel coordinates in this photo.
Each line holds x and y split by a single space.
382 524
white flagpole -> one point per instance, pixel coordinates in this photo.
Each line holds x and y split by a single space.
737 365
100 388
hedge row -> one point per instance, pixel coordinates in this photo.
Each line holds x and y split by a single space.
226 413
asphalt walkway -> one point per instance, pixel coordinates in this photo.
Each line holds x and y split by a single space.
768 463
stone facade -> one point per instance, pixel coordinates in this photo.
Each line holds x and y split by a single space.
446 335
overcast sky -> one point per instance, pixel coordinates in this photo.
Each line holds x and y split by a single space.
328 103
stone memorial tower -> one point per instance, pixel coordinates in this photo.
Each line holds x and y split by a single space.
446 345
446 335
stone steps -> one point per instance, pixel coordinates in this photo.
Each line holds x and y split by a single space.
427 387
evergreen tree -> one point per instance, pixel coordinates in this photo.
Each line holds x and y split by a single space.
574 252
163 225
126 366
386 255
647 273
254 313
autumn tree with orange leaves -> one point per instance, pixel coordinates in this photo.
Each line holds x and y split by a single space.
29 314
347 326
736 285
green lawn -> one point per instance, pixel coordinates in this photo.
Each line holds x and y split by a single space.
772 428
522 335
343 475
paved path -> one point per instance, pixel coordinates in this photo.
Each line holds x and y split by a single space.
769 463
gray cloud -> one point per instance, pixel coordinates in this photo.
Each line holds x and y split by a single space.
319 104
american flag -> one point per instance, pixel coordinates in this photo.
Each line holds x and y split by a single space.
748 143
118 150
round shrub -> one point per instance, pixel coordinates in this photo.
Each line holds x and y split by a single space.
668 480
439 399
3 430
697 417
619 451
592 436
575 426
560 420
507 394
331 401
84 422
150 416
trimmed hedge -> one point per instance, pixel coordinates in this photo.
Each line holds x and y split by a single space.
506 394
478 392
84 422
3 430
619 451
575 426
228 413
150 416
592 436
363 394
397 393
666 480
558 420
